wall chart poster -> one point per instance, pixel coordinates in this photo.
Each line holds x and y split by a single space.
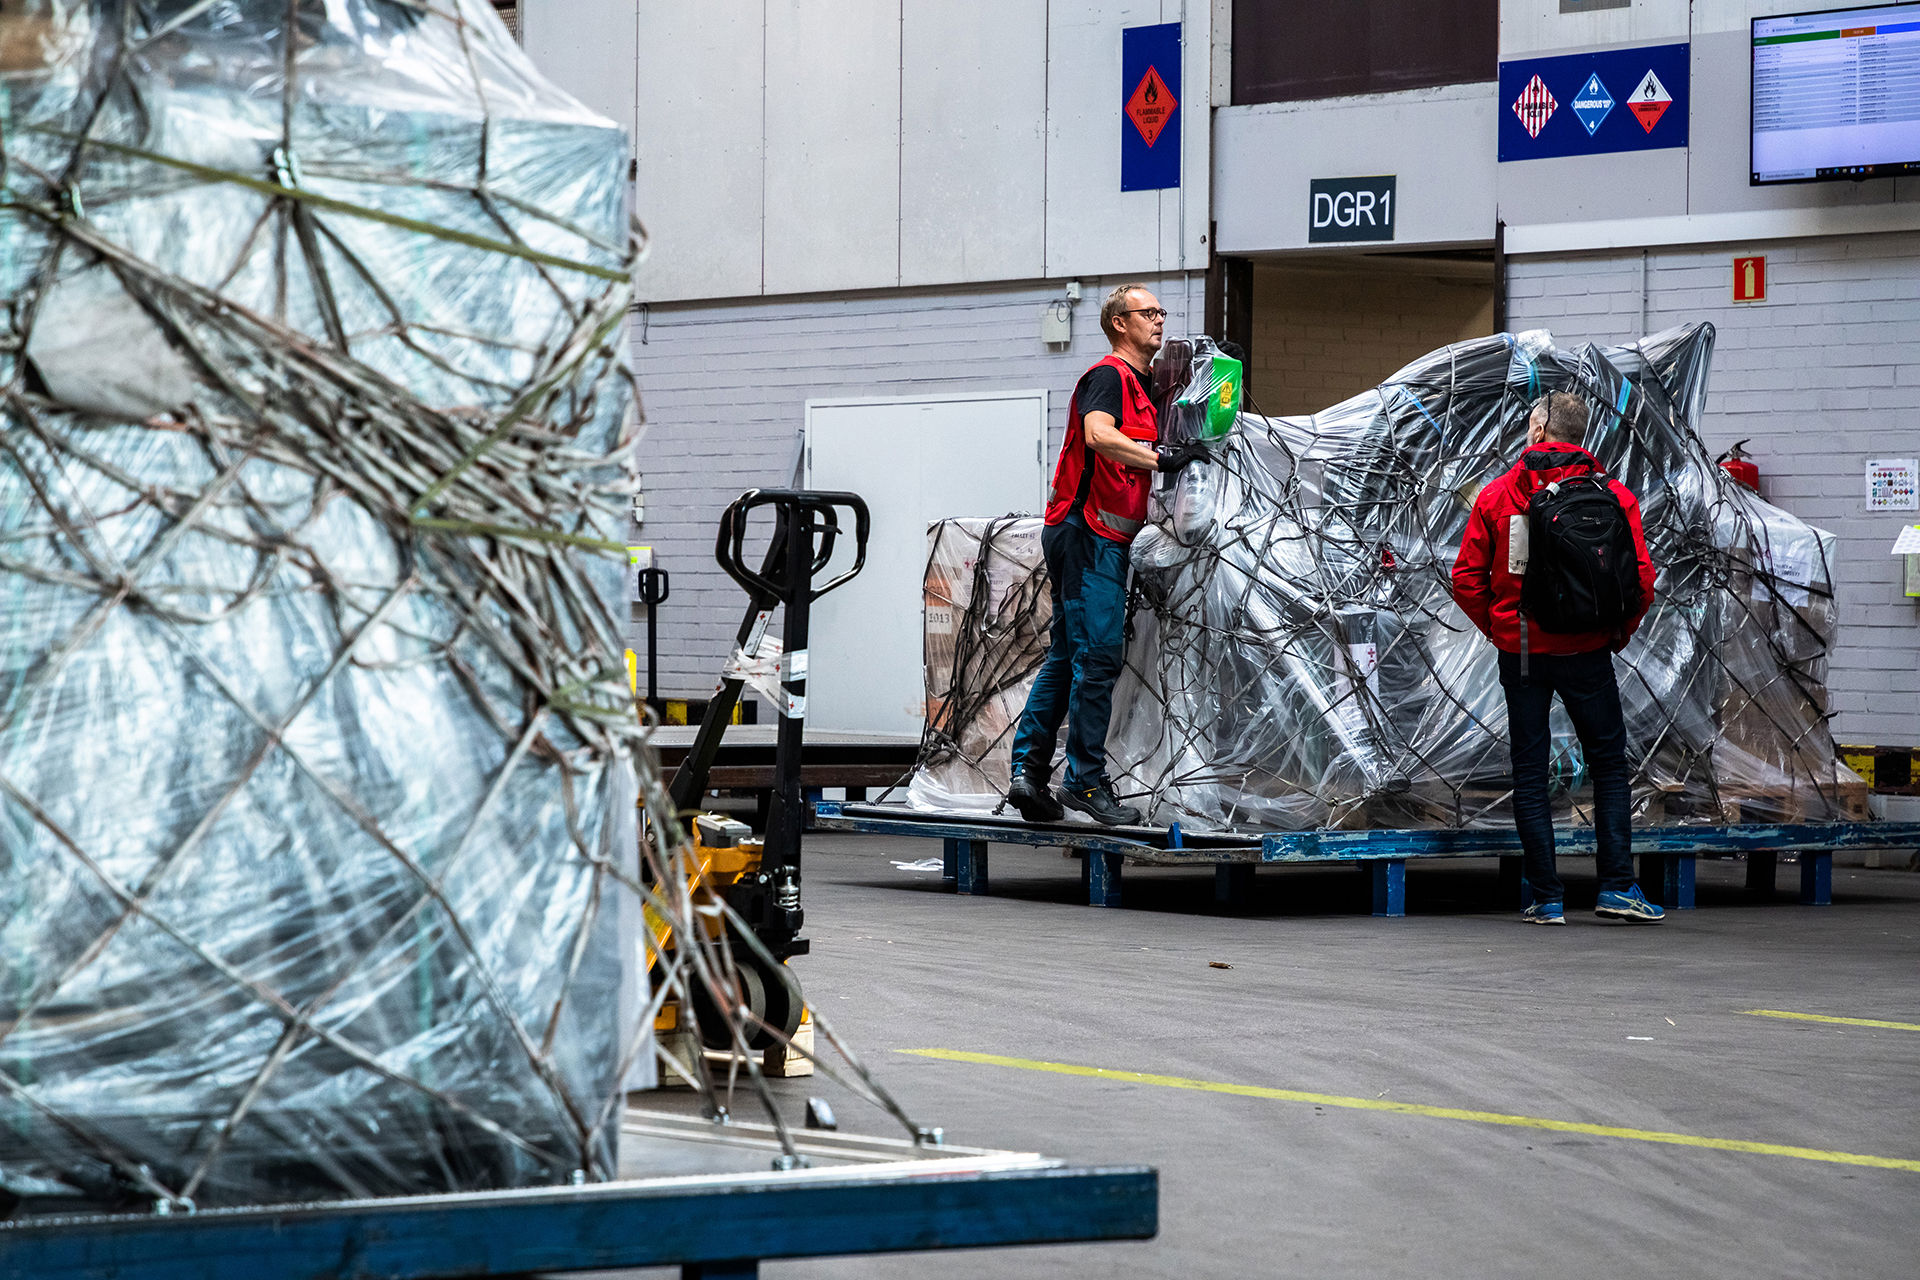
1893 484
1593 103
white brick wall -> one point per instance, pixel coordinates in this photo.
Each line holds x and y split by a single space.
726 385
1822 376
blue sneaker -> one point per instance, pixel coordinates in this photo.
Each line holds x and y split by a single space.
1544 913
1631 906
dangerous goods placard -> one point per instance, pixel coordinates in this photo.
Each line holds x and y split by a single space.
1535 106
1650 101
1150 107
1592 104
1565 106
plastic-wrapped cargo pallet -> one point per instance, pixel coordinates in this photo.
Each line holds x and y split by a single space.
987 617
318 863
1296 659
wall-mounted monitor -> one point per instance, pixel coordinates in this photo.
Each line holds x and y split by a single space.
1836 95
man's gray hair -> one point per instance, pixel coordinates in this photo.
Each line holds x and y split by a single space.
1566 416
1115 304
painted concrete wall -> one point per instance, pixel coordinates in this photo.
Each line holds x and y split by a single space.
1822 376
1442 145
1439 143
1530 28
1699 193
726 385
797 146
593 40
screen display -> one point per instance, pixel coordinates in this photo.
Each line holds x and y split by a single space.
1836 95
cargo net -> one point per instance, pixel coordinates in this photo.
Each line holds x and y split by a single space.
333 855
1295 658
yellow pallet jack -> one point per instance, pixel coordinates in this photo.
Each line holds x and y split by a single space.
758 877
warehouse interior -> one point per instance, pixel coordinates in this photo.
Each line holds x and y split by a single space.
660 642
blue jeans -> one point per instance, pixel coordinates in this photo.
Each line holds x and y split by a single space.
1083 660
1585 684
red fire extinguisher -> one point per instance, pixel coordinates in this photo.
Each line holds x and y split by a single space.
1738 465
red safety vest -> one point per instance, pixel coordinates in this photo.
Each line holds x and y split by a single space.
1113 499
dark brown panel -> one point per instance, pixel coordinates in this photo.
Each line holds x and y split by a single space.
1289 50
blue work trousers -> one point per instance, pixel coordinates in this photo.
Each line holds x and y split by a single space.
1083 661
1586 687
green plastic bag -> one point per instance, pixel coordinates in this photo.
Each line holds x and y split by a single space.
1217 394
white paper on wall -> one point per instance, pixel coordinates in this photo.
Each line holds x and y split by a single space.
1893 484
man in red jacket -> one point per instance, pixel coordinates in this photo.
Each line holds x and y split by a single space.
1099 502
1535 664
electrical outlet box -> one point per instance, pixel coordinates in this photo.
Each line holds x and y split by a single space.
1056 323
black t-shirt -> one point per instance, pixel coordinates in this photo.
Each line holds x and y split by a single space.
1101 391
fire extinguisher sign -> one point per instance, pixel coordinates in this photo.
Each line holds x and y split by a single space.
1749 279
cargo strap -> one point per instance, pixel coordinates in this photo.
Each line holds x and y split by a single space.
765 672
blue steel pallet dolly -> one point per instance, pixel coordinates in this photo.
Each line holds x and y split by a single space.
1667 854
863 1196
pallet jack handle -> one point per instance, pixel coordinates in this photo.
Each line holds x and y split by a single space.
804 535
818 506
800 515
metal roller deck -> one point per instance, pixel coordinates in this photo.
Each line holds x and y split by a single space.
710 1205
1667 854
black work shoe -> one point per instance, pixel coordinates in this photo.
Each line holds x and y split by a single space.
1099 802
1033 800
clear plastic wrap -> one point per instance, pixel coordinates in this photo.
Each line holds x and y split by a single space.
319 872
1197 392
1296 659
987 621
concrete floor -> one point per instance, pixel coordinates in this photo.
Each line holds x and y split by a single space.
1456 1006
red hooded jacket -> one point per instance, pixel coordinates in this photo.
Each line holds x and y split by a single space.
1490 595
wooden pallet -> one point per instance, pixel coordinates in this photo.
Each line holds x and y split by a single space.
1835 799
776 1063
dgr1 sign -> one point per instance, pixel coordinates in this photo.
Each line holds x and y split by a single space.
1347 209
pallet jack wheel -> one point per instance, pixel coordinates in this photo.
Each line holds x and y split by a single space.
771 994
785 1004
716 1024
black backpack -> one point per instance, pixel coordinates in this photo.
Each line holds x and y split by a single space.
1583 572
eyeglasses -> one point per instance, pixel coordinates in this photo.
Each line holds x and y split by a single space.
1151 313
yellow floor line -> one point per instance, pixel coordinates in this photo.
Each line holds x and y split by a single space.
1822 1017
1418 1109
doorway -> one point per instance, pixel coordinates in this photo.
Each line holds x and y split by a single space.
915 460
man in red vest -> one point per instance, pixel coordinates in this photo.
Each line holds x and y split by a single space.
1099 503
1536 664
